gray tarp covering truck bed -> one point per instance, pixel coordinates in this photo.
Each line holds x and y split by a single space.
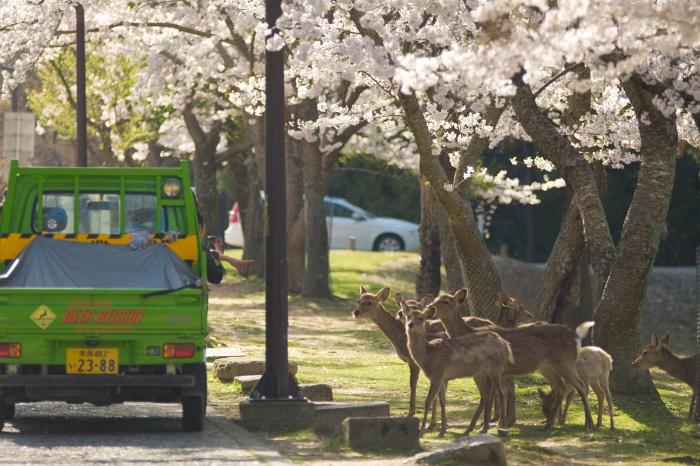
50 263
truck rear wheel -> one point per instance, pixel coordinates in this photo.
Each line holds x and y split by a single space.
9 411
193 413
3 412
194 401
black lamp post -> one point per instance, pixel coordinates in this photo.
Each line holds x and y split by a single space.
81 99
276 383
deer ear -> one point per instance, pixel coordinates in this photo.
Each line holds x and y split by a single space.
383 294
430 313
362 290
541 393
654 340
461 295
664 340
399 299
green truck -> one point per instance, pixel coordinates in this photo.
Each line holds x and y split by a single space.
103 294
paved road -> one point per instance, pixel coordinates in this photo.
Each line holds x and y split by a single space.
134 433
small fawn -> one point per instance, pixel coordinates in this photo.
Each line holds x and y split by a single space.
550 348
593 366
481 355
657 354
370 307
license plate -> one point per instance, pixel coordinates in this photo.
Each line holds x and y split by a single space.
92 361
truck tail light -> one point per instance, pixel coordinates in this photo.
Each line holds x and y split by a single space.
10 350
178 350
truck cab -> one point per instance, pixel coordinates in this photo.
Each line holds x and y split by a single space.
103 295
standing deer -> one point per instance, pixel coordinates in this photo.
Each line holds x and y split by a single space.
550 348
657 354
481 355
593 366
370 307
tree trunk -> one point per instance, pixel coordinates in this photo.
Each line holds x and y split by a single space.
577 173
428 279
254 222
617 315
316 282
481 276
450 255
205 169
295 216
560 264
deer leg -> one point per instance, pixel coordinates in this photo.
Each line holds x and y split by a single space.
569 397
443 416
608 397
496 406
500 393
571 377
600 396
484 403
414 372
693 400
429 400
509 400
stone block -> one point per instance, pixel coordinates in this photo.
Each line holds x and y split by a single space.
329 416
219 352
247 382
381 433
226 369
478 450
317 391
276 415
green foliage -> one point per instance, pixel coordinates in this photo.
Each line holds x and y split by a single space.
115 122
376 186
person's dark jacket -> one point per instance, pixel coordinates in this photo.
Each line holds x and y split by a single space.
215 271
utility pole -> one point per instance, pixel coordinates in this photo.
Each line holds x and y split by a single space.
81 99
276 383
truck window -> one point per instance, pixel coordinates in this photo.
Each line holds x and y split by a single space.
140 212
58 213
99 213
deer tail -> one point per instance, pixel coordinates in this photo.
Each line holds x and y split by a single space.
582 331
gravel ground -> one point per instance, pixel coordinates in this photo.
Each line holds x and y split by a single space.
133 433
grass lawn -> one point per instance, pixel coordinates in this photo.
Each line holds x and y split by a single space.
359 363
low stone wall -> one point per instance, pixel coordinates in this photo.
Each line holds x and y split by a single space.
669 306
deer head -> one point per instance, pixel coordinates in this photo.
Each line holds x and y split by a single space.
512 313
369 304
446 305
653 354
549 405
415 318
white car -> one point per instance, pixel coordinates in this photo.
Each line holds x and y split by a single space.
345 220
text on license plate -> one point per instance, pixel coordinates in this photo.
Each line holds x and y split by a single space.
92 361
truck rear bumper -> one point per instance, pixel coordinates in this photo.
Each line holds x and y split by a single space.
173 381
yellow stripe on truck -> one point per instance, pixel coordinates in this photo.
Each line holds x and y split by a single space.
12 244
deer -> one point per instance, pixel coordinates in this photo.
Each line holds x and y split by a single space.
657 354
593 366
481 355
512 313
550 348
370 306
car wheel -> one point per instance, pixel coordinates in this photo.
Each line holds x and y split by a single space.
388 242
